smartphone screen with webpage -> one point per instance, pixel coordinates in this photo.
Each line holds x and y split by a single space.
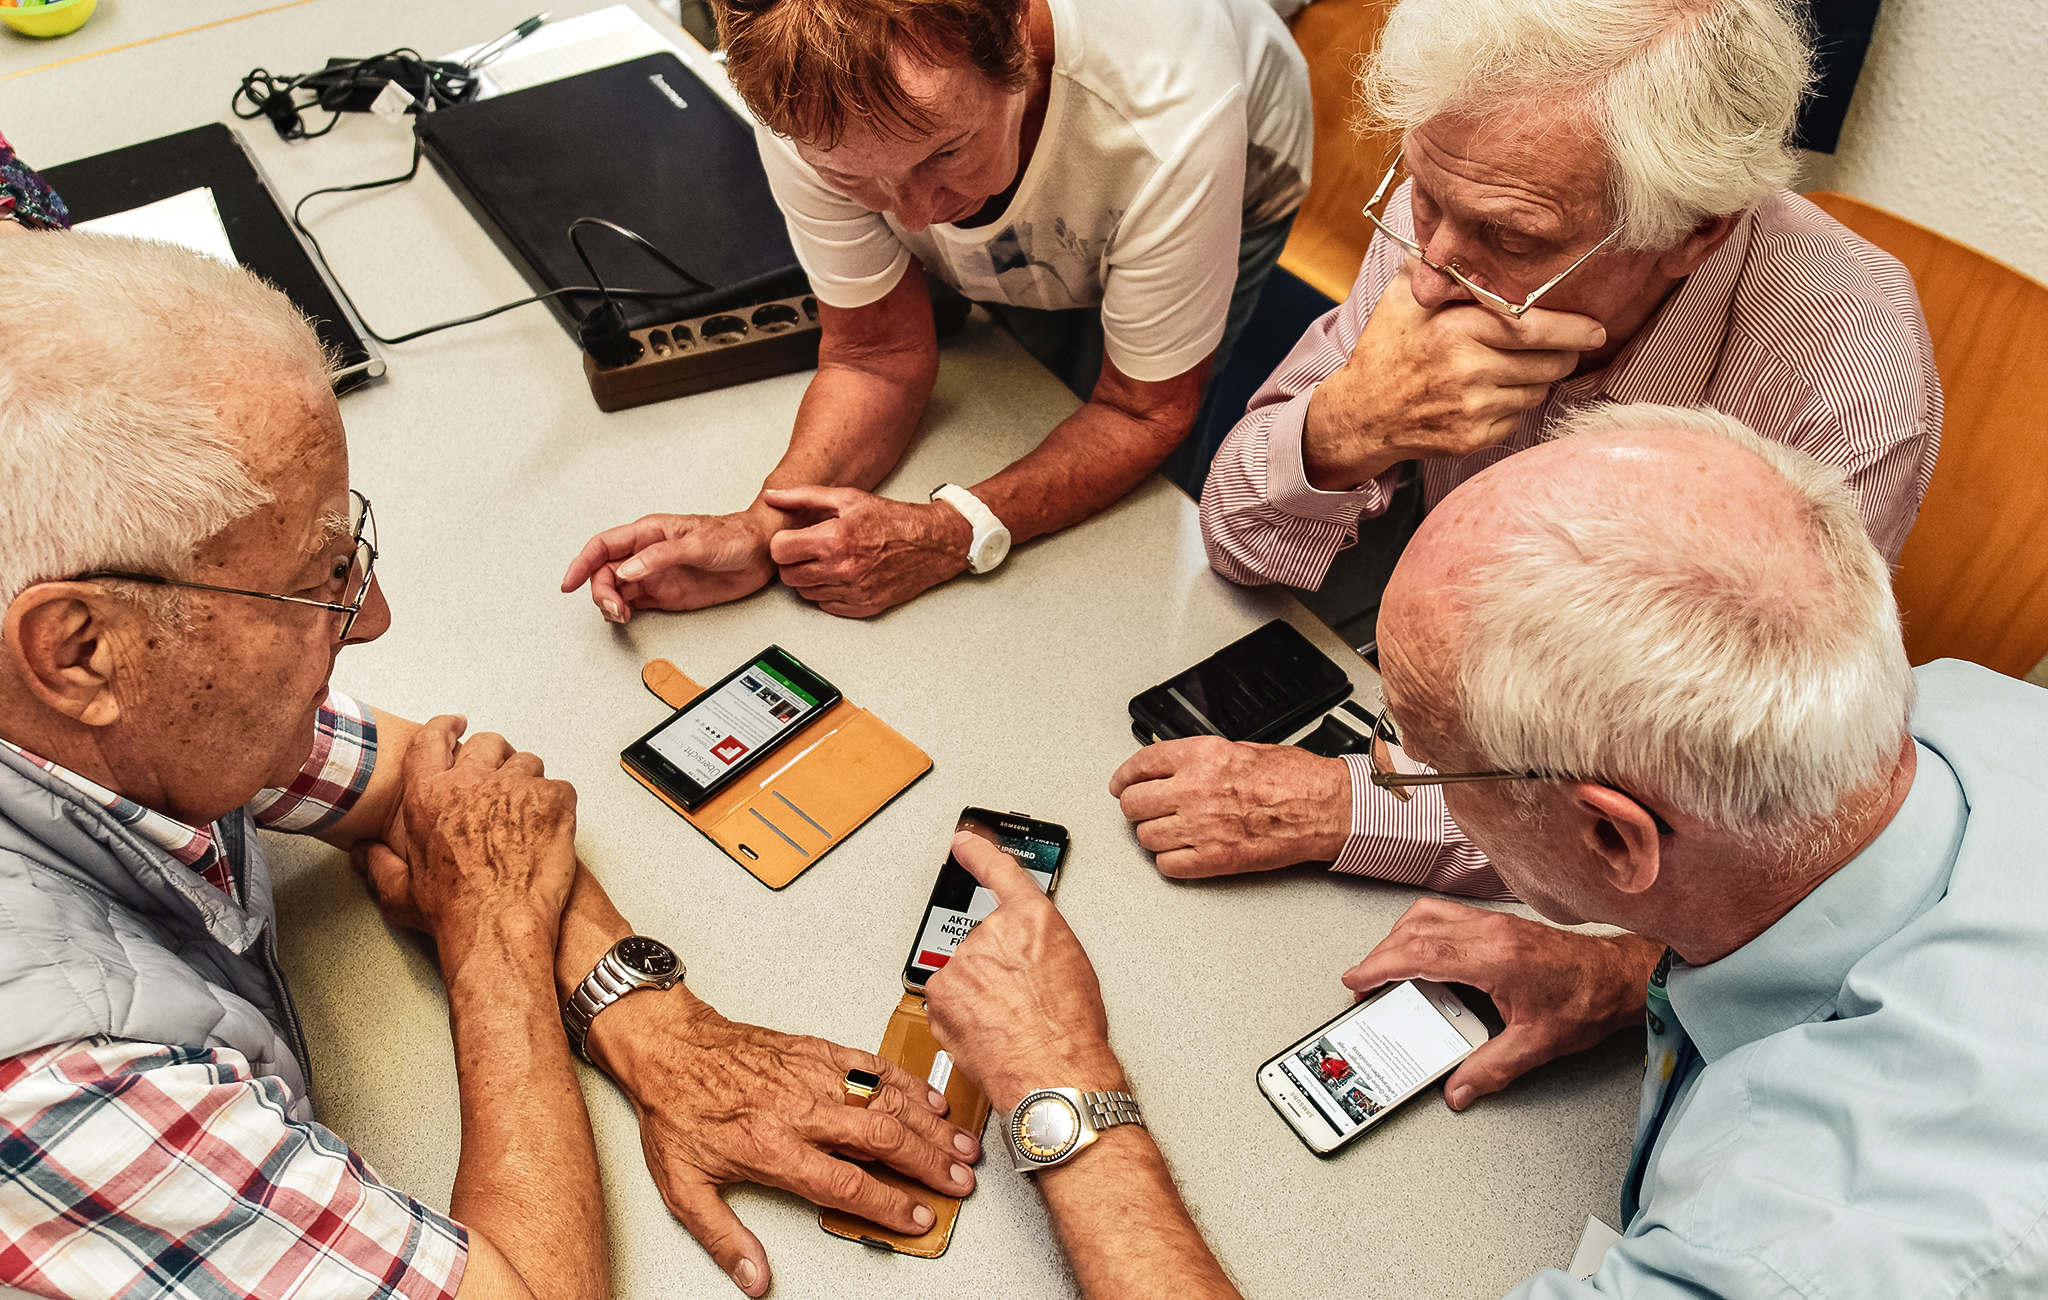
731 726
959 903
1356 1068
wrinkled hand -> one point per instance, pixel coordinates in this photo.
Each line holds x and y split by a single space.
1206 806
481 831
721 1103
1018 1006
862 553
673 562
1442 383
1558 991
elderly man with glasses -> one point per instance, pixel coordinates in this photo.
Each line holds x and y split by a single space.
1665 661
182 561
1594 213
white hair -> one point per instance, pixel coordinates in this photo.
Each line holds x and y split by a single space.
1695 100
114 449
1751 682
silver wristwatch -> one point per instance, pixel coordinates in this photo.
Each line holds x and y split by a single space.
991 540
634 962
1051 1125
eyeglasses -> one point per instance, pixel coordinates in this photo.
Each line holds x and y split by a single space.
1487 296
1399 775
354 582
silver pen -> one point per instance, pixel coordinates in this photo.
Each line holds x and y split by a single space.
505 42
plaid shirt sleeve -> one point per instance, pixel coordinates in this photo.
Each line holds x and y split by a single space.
334 777
148 1172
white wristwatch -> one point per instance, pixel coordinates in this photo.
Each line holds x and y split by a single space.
1050 1126
991 540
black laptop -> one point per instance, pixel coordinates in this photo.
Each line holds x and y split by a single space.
644 144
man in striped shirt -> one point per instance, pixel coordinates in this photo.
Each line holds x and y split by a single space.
1620 164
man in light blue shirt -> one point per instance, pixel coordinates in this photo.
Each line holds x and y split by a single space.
1661 662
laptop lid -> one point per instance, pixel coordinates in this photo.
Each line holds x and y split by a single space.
644 144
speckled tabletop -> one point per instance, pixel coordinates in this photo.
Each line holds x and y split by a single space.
490 465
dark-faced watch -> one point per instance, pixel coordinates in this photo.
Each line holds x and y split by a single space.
634 962
1052 1125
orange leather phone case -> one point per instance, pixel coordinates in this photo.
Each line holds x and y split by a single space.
909 1042
842 768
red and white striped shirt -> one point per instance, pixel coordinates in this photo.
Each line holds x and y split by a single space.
1796 326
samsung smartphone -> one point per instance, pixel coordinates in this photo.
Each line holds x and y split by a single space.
709 742
959 902
1352 1072
1259 687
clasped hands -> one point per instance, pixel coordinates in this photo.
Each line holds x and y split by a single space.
479 835
851 552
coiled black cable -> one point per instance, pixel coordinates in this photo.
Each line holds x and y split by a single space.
418 151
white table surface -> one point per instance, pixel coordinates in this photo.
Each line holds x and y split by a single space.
490 465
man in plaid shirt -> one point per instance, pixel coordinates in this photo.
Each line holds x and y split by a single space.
181 561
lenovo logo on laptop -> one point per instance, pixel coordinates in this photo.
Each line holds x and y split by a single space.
661 84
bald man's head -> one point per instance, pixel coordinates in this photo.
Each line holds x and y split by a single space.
1659 601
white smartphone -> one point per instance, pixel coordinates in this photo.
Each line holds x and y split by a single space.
1350 1073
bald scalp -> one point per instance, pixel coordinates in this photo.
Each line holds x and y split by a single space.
1662 600
1679 486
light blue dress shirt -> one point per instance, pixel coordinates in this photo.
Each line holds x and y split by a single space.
1857 1103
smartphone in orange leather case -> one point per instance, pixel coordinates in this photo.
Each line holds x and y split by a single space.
957 904
909 1043
842 768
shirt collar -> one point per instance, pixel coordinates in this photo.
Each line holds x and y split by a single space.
192 846
1792 973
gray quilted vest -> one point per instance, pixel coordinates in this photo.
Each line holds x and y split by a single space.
102 932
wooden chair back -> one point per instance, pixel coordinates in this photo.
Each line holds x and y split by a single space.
1330 236
1973 578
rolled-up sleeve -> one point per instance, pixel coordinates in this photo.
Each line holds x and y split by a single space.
1413 843
334 776
1262 521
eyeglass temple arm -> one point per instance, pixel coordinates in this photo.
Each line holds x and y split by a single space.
1402 779
157 580
1551 283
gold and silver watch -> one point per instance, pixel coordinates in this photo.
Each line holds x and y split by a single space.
1052 1125
635 962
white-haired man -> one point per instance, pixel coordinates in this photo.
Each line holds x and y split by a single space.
182 560
1673 653
1620 164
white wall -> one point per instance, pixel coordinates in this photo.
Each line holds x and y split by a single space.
1949 124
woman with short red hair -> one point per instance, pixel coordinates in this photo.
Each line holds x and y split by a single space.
1112 179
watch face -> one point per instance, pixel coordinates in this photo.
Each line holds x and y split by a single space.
1047 1128
649 957
992 551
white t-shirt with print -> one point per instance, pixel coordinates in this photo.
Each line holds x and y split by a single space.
1172 126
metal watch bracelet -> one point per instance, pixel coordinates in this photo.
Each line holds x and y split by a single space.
608 981
1109 1109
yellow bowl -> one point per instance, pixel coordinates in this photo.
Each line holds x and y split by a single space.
57 19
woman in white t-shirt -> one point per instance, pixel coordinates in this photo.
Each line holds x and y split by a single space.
1113 178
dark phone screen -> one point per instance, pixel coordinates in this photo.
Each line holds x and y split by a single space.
731 726
958 901
1245 689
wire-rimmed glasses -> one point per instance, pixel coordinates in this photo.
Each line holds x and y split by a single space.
1485 295
355 582
1397 776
